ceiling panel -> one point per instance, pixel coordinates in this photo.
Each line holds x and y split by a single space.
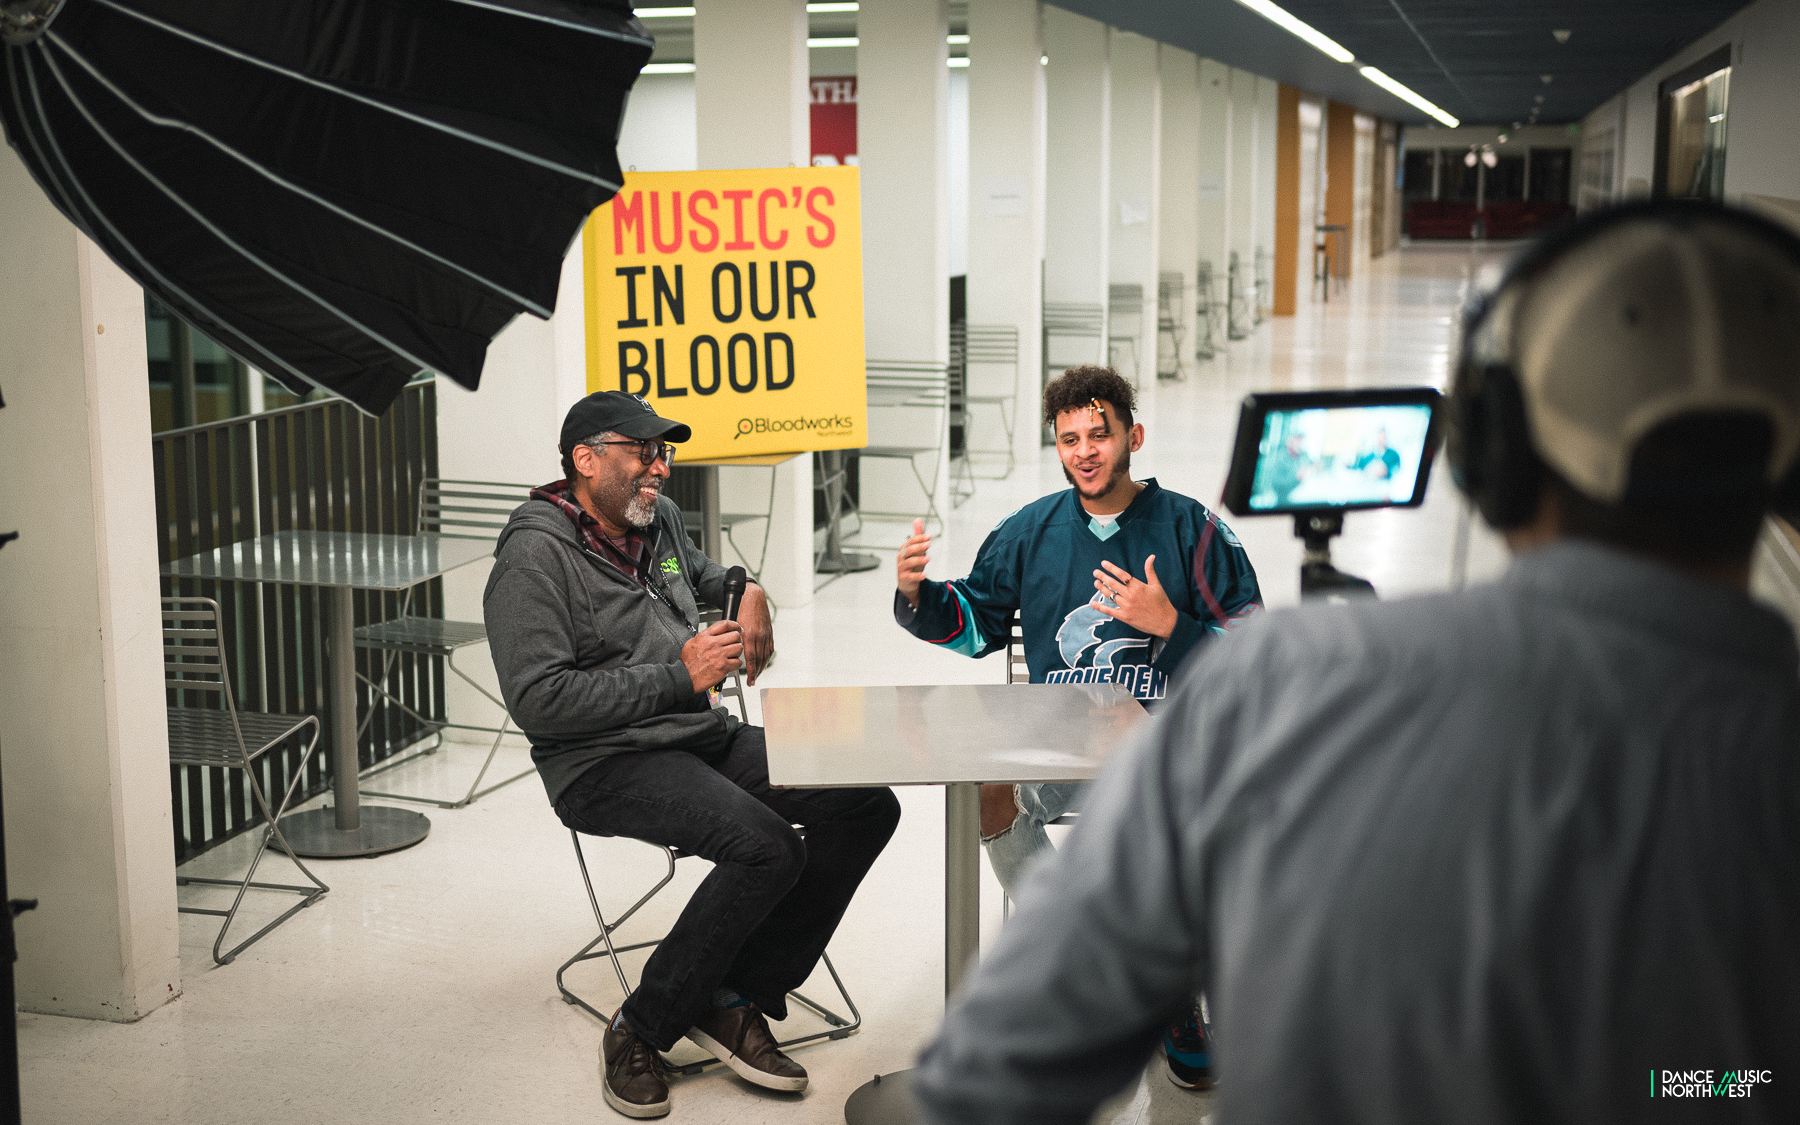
1481 61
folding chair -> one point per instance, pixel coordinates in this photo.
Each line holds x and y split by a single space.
453 509
1067 320
1170 323
840 1027
194 661
1125 306
922 387
994 345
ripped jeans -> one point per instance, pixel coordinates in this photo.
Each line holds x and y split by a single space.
1013 851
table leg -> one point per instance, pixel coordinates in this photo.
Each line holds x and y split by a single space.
887 1099
712 539
347 829
962 882
836 560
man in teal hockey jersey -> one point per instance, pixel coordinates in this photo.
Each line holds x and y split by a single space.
1114 581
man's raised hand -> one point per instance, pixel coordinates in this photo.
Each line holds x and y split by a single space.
909 568
713 654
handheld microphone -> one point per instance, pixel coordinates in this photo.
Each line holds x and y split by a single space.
735 578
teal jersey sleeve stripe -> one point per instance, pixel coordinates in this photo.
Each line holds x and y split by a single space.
969 642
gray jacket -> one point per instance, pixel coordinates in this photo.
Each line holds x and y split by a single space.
1509 855
590 661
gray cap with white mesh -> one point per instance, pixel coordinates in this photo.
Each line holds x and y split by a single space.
1645 322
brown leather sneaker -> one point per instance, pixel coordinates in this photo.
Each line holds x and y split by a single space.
740 1038
636 1084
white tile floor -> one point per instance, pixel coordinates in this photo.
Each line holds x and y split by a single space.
421 987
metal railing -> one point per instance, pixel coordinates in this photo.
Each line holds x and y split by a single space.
316 466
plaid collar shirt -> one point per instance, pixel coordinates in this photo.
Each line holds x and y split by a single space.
626 553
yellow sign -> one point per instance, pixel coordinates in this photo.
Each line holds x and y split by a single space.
733 302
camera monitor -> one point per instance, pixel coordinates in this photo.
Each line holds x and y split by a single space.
1333 451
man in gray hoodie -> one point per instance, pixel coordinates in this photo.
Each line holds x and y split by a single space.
593 620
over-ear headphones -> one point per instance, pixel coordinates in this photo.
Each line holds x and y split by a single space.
1488 436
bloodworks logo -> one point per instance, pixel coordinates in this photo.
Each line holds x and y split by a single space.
1704 1084
824 423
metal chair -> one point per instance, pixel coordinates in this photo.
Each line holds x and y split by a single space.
840 1027
1065 320
920 386
453 509
1125 306
1170 286
1208 308
995 345
194 661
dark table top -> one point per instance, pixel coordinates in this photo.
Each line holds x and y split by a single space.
834 737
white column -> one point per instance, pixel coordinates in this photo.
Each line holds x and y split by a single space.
1136 166
1178 227
902 130
1215 174
1242 190
1268 112
85 747
1006 196
1077 188
750 104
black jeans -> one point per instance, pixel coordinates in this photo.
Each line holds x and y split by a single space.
760 920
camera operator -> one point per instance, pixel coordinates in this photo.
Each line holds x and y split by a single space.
1488 856
592 617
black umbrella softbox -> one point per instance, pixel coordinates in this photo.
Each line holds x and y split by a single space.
343 192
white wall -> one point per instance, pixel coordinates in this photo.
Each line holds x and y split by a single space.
1077 195
1268 111
1243 188
1215 170
660 133
1761 157
1136 212
1179 224
902 132
957 156
86 751
1005 203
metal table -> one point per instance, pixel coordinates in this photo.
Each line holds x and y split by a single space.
339 562
958 736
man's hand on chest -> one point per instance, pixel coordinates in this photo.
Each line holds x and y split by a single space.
1143 605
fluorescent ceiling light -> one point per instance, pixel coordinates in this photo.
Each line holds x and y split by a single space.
956 38
957 62
1276 15
1407 95
662 13
832 7
668 68
846 41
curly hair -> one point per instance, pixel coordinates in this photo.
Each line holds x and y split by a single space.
1081 385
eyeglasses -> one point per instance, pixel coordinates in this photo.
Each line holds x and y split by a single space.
649 449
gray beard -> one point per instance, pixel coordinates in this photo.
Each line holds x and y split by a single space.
628 503
640 513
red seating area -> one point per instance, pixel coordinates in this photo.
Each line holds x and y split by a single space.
1441 218
1520 219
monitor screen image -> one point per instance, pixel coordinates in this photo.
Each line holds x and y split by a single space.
1339 456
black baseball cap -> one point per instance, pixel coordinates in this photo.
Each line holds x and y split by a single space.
617 412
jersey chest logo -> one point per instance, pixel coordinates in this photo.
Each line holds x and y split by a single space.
1089 658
